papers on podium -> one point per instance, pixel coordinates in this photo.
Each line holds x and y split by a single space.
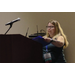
40 39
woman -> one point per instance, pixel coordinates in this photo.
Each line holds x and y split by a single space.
53 52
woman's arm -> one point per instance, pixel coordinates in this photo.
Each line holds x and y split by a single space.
59 42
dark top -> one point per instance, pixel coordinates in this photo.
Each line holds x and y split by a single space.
57 55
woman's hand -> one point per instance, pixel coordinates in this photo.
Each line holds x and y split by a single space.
47 39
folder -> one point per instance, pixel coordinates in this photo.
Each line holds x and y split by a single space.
41 40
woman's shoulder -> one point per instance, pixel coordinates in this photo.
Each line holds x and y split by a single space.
60 36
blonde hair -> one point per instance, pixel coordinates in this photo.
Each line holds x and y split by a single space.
59 32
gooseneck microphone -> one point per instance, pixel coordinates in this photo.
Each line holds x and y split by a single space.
18 19
27 32
11 23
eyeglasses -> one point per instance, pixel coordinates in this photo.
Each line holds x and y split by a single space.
50 27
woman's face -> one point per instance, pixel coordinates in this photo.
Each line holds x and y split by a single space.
51 29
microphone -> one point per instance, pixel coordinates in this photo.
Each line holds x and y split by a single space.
27 31
18 19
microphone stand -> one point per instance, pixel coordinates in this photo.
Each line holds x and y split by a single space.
9 28
37 30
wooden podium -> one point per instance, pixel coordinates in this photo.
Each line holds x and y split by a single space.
17 48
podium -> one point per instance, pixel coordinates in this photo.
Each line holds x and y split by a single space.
16 48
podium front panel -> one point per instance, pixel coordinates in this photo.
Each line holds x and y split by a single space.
19 49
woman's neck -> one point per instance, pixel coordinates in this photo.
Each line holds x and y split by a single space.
51 36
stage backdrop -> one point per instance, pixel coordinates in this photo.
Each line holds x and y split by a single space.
40 19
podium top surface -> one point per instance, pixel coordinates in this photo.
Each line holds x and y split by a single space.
11 35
